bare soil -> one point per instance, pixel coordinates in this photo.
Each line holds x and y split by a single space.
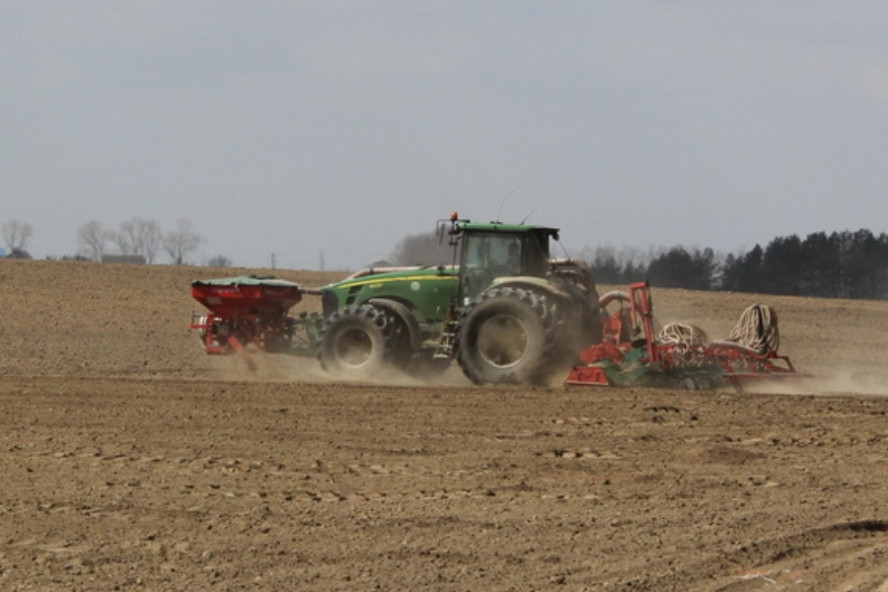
131 460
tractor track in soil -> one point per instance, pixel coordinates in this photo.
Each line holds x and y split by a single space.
131 460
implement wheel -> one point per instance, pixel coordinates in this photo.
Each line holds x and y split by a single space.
502 338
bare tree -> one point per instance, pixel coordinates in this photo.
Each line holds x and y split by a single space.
92 238
180 242
123 238
16 235
138 236
219 261
422 249
151 239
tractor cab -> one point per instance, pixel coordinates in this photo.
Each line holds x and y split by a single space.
494 250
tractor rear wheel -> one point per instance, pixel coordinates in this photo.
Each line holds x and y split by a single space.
353 342
504 337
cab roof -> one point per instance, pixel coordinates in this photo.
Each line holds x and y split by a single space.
462 226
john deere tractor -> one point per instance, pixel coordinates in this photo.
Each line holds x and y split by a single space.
507 312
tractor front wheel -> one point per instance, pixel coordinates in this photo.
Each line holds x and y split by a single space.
353 342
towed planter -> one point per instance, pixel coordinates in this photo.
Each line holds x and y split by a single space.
252 310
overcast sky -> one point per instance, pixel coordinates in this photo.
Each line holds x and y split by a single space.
301 127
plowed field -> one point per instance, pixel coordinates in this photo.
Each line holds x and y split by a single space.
131 460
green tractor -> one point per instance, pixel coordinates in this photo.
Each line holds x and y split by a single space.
507 312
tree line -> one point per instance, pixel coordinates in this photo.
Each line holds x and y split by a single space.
837 265
847 264
136 237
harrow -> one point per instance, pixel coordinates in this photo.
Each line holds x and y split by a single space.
679 355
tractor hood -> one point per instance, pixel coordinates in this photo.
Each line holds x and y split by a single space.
374 275
426 290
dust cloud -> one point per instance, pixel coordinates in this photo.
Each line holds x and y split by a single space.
271 367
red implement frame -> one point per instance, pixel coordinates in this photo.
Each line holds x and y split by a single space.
742 364
617 333
624 330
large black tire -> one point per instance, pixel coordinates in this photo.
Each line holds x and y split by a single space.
359 342
505 336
